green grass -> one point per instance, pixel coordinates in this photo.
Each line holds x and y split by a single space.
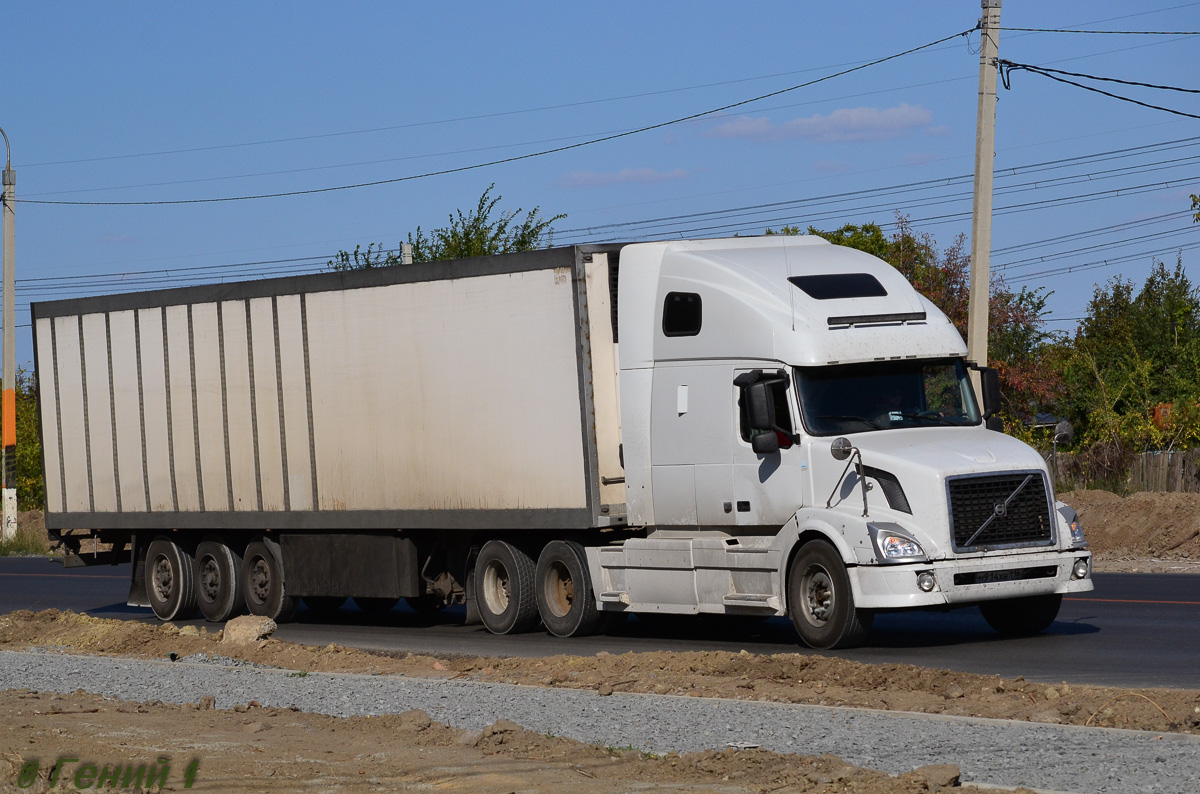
24 544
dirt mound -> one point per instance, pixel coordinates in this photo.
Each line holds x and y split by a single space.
269 749
785 678
1163 526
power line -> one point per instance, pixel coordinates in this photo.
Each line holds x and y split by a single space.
1111 32
516 158
1007 67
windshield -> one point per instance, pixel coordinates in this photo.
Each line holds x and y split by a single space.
880 395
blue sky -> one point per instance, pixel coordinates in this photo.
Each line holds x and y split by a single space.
152 102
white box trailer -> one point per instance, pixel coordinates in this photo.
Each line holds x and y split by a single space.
744 426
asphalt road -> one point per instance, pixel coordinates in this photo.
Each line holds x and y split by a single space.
1133 630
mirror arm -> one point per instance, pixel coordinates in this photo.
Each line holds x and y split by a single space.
862 480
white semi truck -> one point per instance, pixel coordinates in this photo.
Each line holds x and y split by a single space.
750 426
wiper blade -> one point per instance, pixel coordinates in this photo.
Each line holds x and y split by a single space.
929 416
848 418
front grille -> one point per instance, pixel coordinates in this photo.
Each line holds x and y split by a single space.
1020 520
1010 575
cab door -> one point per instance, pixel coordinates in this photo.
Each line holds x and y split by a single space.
767 487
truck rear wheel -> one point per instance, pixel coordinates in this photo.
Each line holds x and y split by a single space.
1018 617
262 585
218 581
821 602
504 588
170 580
564 590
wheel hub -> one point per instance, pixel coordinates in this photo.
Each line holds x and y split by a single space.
496 587
818 592
210 579
163 578
560 589
260 581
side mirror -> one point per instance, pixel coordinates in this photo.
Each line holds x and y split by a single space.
841 448
765 443
760 408
990 380
1063 432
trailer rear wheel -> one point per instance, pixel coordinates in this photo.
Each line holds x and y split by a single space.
564 590
1017 617
218 581
820 600
504 589
170 580
263 587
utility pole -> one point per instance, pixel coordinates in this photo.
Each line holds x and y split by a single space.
8 398
981 211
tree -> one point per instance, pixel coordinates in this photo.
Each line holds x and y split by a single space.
1196 207
474 233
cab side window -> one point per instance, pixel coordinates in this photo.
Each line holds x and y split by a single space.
777 389
682 314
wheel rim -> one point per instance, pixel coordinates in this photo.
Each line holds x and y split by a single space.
162 578
260 581
210 579
496 587
818 596
559 589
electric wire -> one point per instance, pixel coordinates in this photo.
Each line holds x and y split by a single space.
515 158
1007 67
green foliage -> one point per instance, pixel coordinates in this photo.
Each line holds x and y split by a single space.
1196 207
478 232
27 473
1133 370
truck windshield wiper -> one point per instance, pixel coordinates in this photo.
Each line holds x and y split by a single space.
929 416
849 418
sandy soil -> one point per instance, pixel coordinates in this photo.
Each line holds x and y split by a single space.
250 748
1155 532
788 677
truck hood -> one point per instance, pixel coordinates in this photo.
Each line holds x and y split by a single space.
920 459
946 451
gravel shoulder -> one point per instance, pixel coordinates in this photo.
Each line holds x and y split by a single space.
795 678
671 741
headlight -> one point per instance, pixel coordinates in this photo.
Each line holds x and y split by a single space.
895 546
1071 519
1077 538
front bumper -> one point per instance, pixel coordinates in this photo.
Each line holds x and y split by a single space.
969 581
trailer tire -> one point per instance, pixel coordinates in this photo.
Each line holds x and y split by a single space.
821 601
1021 617
218 581
504 588
263 585
170 580
564 590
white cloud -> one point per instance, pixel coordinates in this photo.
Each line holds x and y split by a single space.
623 177
844 124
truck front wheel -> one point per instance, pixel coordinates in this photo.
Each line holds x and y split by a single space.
821 601
1019 617
170 580
262 585
504 589
564 590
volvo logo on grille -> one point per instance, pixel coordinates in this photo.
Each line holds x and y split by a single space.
1001 509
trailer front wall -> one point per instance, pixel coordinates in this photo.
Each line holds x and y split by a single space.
420 403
